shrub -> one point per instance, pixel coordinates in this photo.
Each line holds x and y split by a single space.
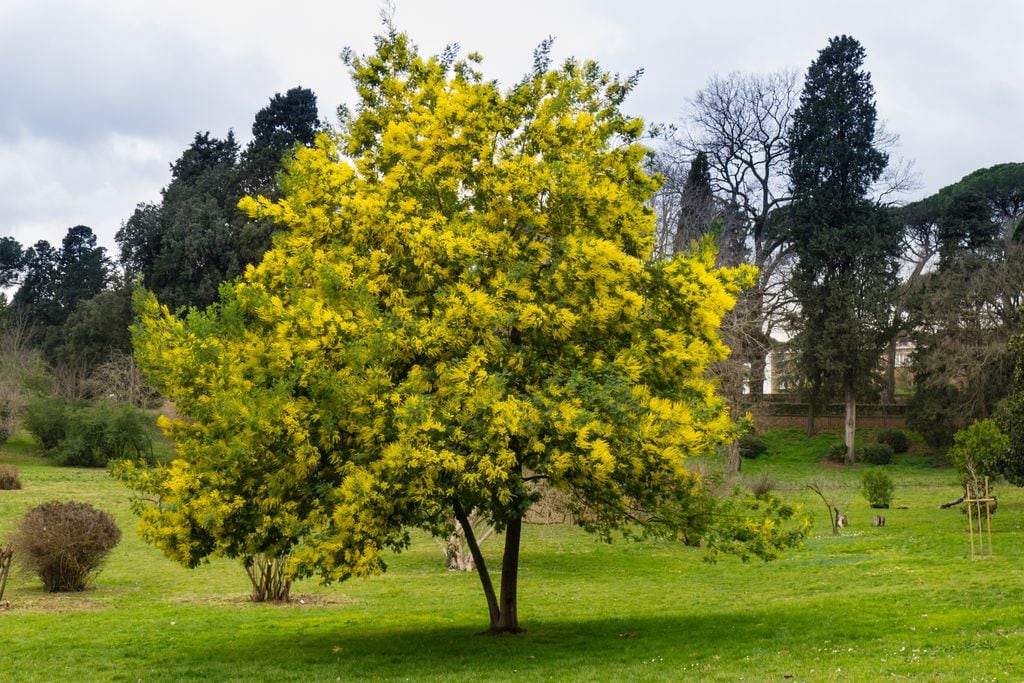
65 543
9 478
763 485
877 488
12 400
46 418
894 438
752 446
877 453
836 453
104 432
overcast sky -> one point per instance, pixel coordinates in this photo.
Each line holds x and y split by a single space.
99 97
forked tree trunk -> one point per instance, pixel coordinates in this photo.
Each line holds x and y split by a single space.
851 424
504 614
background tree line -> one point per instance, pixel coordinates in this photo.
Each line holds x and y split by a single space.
71 306
799 182
790 174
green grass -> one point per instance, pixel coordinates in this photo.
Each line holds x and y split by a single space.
904 601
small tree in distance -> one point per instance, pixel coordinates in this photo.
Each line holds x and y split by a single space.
463 306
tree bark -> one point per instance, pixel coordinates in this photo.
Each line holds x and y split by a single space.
889 395
851 424
508 617
810 416
481 566
735 461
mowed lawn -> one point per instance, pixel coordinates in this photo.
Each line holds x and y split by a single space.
903 601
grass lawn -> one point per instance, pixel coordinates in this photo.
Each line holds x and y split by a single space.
903 601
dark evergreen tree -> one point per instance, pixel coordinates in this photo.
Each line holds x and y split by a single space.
187 247
970 306
84 269
12 260
140 239
57 281
846 246
196 238
288 119
37 296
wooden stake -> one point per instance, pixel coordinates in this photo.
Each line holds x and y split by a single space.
988 516
970 522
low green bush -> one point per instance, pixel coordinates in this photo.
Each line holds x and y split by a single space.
9 480
877 488
836 453
46 418
877 454
104 432
65 543
752 446
895 438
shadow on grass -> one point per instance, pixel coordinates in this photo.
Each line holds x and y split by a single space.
600 648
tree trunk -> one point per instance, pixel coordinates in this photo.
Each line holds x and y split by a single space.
481 566
851 424
810 416
735 461
889 395
508 618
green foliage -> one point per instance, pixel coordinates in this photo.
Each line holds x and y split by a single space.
46 418
101 433
749 526
836 453
65 544
964 315
1010 418
980 450
89 435
877 453
752 446
877 488
896 439
9 478
97 330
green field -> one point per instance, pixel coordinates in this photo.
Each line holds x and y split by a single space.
904 601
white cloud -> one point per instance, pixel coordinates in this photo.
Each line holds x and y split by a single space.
100 96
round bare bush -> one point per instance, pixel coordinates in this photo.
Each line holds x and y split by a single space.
65 543
9 478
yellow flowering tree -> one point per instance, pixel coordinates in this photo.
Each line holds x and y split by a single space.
461 314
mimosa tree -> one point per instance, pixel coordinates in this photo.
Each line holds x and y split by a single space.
461 314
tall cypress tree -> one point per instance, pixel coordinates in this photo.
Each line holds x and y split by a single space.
846 245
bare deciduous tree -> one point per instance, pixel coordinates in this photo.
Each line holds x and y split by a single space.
740 122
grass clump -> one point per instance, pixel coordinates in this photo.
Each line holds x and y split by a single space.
65 543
